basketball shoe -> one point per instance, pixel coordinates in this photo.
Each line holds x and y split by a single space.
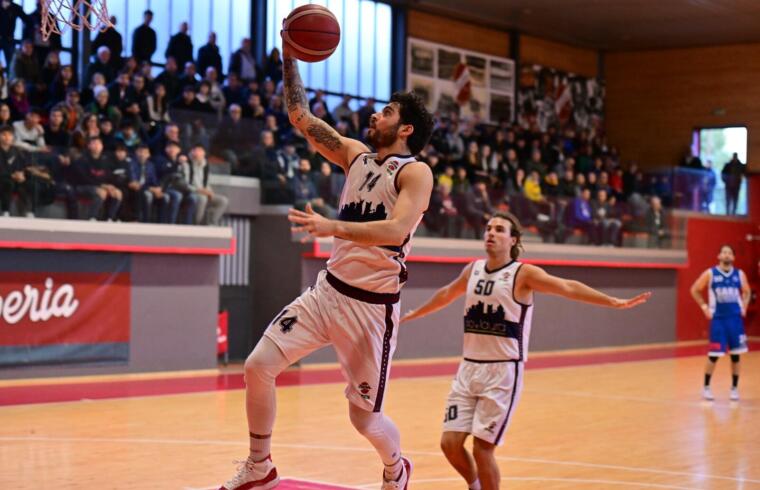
254 475
734 394
402 482
707 393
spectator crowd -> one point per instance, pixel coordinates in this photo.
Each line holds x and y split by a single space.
121 144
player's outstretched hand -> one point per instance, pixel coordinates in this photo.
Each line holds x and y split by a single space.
310 222
624 304
409 315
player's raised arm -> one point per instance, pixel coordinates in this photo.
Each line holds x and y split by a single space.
443 297
697 292
532 278
326 140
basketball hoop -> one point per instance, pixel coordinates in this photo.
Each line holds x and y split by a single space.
77 14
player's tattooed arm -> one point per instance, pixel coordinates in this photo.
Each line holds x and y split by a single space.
326 140
295 94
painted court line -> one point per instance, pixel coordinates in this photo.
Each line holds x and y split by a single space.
556 480
100 390
202 442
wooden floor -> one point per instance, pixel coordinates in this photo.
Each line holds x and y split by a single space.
624 425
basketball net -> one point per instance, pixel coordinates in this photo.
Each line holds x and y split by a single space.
77 14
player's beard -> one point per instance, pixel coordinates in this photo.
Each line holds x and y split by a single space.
726 263
382 139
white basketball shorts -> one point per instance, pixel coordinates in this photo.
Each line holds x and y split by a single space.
483 398
360 325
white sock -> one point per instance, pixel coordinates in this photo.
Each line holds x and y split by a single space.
260 446
474 485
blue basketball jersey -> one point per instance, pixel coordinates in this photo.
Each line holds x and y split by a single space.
725 292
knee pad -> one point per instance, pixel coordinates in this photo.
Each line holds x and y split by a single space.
734 357
713 359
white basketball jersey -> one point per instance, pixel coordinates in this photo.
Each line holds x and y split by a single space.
370 194
496 326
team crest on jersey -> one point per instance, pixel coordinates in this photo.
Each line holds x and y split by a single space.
364 389
718 279
505 276
391 167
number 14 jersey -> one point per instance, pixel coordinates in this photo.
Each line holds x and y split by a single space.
496 325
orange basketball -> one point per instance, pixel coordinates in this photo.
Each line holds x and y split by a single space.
312 32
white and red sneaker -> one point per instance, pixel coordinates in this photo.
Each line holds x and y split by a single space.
254 475
402 482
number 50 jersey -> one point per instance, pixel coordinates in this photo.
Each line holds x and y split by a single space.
496 326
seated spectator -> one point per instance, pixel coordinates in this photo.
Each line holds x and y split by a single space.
12 175
170 133
107 134
478 209
5 115
253 109
211 206
89 175
581 215
216 95
276 172
659 237
118 90
169 78
25 65
607 220
287 159
120 177
72 110
102 106
101 64
174 183
234 91
305 191
56 136
233 142
128 136
18 100
90 127
144 182
329 183
158 106
204 97
62 82
342 111
189 75
29 133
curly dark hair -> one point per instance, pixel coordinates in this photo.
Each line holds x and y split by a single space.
515 231
412 111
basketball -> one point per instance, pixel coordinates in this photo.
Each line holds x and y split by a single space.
312 32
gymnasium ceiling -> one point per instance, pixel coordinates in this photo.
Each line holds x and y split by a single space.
613 25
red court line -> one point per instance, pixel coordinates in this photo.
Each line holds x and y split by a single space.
65 392
290 484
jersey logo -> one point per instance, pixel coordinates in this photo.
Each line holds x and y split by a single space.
391 167
486 320
362 212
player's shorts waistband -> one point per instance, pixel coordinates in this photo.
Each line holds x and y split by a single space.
361 294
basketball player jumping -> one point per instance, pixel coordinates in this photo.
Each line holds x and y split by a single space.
728 296
354 305
497 321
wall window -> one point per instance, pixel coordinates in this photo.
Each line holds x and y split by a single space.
727 191
230 19
362 63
